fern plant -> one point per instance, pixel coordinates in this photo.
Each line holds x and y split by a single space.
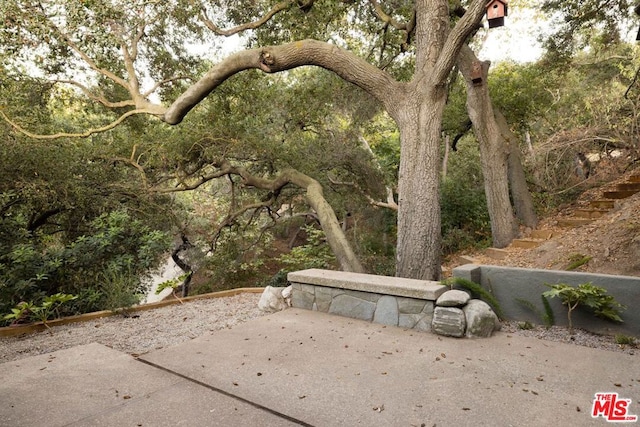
593 297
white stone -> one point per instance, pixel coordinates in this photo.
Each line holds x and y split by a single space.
272 300
286 294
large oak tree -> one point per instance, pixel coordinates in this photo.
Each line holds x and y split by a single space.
127 45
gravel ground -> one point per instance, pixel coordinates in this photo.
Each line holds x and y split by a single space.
144 331
171 325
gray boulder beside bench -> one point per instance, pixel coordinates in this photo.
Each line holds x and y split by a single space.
393 301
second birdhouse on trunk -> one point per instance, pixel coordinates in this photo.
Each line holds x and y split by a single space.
496 11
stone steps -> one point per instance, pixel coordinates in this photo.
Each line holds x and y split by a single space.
619 194
602 204
526 243
590 213
582 216
574 222
629 186
599 208
496 253
541 234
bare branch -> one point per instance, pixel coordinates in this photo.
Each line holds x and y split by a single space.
108 74
100 99
406 27
131 161
389 204
387 19
247 26
157 85
85 134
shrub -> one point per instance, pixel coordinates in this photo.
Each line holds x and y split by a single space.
593 297
104 267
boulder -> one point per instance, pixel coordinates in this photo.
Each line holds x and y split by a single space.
448 321
480 318
275 299
453 298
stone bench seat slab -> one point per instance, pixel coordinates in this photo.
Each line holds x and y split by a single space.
385 285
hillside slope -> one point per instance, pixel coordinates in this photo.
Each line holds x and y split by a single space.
612 242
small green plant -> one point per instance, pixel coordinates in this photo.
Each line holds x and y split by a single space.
622 339
477 291
173 284
525 325
30 312
577 260
593 297
548 318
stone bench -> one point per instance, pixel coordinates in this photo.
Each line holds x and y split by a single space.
393 301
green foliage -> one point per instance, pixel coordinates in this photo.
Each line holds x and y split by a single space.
622 339
577 260
547 316
477 291
313 254
172 283
586 294
520 92
119 289
525 326
48 308
465 217
103 267
278 280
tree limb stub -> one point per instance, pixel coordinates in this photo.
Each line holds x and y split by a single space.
273 59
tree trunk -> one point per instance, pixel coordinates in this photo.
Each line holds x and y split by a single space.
419 234
522 200
445 159
494 151
330 225
416 106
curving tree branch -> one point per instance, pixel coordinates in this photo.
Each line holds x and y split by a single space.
98 98
84 134
458 36
247 26
272 59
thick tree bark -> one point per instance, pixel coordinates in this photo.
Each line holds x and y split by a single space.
500 157
494 151
419 118
520 194
330 224
419 231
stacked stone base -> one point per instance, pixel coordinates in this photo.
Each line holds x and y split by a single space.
457 315
389 310
412 304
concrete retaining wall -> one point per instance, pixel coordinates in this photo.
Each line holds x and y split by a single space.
508 284
393 301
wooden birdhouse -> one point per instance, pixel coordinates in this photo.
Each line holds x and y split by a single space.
496 11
